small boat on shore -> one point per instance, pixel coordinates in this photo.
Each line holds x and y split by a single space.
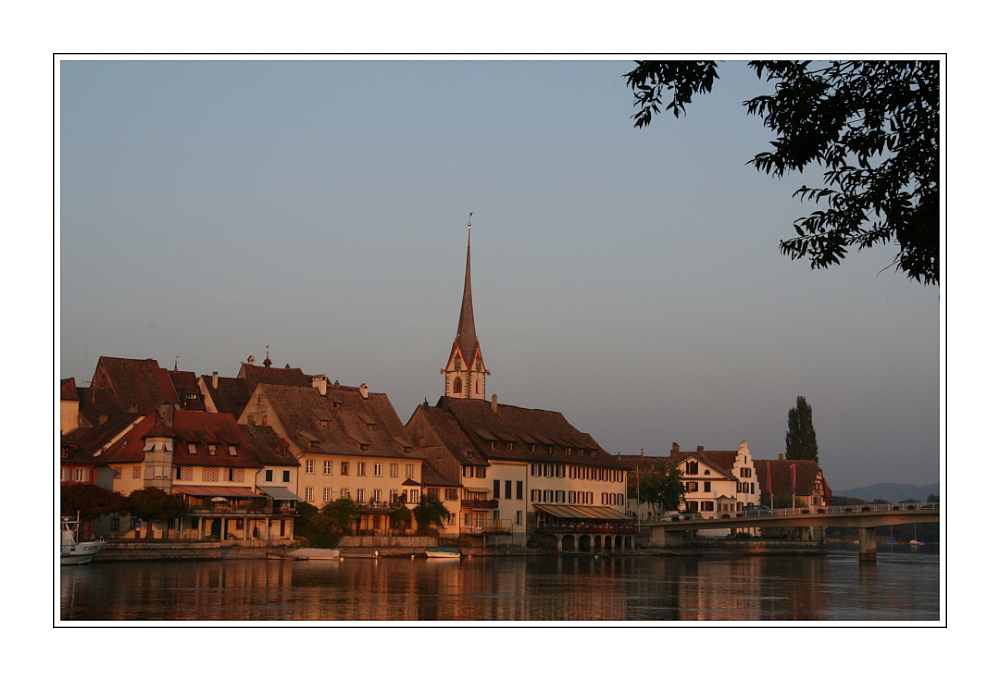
443 552
73 551
314 554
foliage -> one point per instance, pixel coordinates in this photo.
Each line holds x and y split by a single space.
152 504
800 439
933 498
400 518
341 515
662 487
91 501
430 511
873 125
846 501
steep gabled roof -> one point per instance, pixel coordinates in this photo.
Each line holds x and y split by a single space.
429 477
67 390
509 433
254 375
138 385
230 397
781 477
268 447
342 422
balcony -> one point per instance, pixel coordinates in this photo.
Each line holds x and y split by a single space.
482 504
588 528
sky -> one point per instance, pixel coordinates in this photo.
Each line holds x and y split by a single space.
630 279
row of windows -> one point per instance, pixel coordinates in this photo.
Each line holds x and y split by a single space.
286 476
79 474
561 496
450 493
510 489
473 471
361 495
556 470
212 449
361 468
209 474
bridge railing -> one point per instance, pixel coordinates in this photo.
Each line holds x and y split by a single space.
859 508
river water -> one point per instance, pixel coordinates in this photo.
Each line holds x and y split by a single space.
903 586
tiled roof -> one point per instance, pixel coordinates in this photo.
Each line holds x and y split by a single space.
781 476
186 386
93 439
429 477
254 375
341 422
268 447
139 385
510 432
96 403
67 390
230 397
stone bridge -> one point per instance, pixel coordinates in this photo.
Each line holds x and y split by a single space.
866 517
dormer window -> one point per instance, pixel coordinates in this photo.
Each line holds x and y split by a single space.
232 450
192 448
211 450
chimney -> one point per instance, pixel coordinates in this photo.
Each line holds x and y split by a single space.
700 448
166 412
675 448
781 457
319 382
250 360
363 389
642 451
215 380
493 403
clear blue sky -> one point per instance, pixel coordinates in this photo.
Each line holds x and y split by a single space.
629 279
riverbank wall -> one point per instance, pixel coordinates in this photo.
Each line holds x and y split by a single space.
405 547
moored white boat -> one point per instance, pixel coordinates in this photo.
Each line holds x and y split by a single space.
314 554
72 551
443 552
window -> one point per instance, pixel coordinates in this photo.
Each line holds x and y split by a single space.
377 470
345 493
327 494
451 494
309 493
192 448
547 495
536 469
457 387
506 489
692 486
708 485
480 471
345 468
496 489
310 466
361 496
520 489
232 450
547 470
708 505
560 471
81 475
691 468
268 475
211 450
560 496
414 496
572 497
409 470
361 469
519 517
286 476
468 471
327 468
376 496
394 470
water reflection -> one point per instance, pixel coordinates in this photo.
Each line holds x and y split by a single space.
836 587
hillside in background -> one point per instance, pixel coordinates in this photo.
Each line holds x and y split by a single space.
891 491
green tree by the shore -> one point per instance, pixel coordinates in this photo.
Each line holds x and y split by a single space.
152 504
662 487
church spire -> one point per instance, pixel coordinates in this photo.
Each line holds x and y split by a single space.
465 374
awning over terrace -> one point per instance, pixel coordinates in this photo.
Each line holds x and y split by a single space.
279 493
214 491
582 512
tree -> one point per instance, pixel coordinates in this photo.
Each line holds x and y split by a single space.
430 511
341 515
662 487
400 519
873 125
800 439
152 504
90 501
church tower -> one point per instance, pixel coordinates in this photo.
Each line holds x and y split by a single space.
465 374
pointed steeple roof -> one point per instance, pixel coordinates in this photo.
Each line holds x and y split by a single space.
466 335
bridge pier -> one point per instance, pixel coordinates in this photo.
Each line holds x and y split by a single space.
866 544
